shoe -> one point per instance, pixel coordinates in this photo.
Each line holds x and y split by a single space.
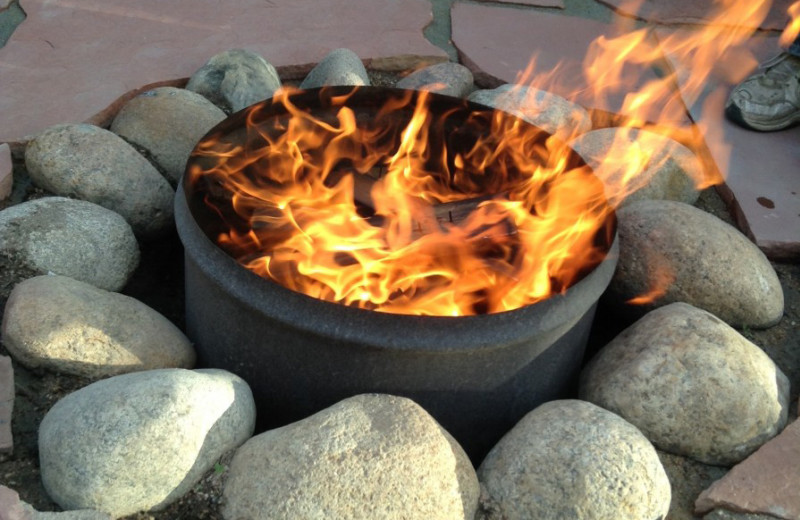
770 99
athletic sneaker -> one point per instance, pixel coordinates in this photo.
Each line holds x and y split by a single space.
770 99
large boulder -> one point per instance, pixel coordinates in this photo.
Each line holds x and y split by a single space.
572 459
235 79
673 252
167 122
370 457
140 441
548 111
72 327
339 67
636 164
450 79
90 163
68 237
692 384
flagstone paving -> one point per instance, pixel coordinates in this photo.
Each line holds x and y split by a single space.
72 58
692 11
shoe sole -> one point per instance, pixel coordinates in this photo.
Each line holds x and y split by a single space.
735 114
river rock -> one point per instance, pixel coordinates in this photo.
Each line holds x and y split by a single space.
235 79
549 112
167 122
678 253
572 459
692 384
73 238
339 67
89 163
368 457
450 79
71 327
140 441
667 169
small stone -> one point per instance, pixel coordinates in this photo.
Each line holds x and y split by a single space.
235 79
69 237
549 112
167 122
572 459
667 169
71 327
674 252
450 79
140 441
6 404
767 482
6 171
89 163
368 457
692 384
339 67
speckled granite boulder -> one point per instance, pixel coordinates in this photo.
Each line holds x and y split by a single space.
692 384
572 459
89 163
69 237
370 457
450 79
167 122
235 79
138 442
692 256
548 111
338 67
668 171
67 326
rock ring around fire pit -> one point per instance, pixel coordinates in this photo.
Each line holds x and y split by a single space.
477 375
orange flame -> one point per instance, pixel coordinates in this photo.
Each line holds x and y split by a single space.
406 210
793 28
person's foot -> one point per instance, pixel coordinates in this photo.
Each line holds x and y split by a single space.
770 99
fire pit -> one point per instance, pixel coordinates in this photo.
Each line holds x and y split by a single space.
343 241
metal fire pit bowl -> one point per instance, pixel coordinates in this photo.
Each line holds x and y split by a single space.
476 375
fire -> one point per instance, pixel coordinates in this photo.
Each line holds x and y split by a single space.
406 209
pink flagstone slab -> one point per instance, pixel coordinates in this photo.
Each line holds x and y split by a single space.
11 507
498 43
767 482
693 11
760 169
72 58
6 404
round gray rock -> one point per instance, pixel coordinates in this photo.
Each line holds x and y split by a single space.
549 112
140 441
692 384
692 256
669 171
450 79
167 122
89 163
71 327
235 79
69 237
339 67
572 459
370 456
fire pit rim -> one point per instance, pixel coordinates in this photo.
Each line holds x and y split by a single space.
343 323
